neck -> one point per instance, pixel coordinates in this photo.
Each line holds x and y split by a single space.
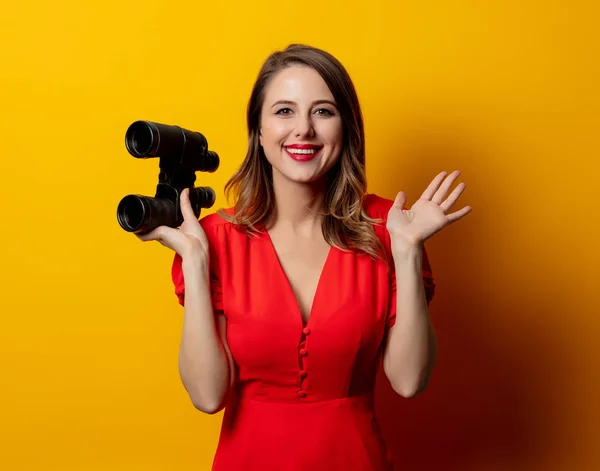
298 205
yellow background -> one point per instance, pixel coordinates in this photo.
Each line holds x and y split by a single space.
506 92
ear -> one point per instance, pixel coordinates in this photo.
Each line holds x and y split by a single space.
260 141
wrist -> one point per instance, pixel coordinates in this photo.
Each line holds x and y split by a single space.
195 264
403 252
402 246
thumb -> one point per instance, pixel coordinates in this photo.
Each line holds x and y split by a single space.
186 207
400 200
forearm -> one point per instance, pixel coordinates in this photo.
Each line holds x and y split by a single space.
412 346
203 362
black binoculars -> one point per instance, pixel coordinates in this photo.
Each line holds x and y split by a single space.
182 153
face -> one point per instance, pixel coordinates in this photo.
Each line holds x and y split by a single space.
301 128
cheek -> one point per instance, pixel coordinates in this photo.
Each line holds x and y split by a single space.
332 133
272 133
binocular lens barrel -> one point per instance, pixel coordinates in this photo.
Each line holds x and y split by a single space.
145 139
142 139
202 197
132 213
137 213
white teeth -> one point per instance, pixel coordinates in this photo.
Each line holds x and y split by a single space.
301 151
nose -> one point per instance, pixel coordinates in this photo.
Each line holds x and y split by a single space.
304 127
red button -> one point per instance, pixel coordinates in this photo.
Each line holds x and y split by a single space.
306 331
303 352
302 374
301 394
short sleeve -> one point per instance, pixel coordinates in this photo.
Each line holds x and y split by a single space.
216 291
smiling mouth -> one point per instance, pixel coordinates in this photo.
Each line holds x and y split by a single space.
303 155
296 151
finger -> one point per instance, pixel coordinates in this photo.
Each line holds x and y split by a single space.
169 237
157 233
449 202
186 206
440 194
147 236
455 216
433 186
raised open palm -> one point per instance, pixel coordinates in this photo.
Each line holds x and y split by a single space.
429 215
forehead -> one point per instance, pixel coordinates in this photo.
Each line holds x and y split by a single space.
297 83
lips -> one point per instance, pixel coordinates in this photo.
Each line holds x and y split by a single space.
304 146
303 152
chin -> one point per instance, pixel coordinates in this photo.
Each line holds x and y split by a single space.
308 172
300 178
296 175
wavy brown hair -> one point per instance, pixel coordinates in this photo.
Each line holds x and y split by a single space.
346 225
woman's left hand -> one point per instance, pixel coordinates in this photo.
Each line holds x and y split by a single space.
409 228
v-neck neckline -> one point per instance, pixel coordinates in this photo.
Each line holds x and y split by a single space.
290 290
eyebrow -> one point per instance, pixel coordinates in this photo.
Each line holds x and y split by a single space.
317 102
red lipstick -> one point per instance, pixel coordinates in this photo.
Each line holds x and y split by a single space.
305 156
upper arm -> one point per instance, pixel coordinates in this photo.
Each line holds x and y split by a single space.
222 331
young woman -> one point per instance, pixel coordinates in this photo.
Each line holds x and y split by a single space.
294 295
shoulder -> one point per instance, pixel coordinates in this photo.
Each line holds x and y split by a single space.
377 206
215 224
221 231
215 219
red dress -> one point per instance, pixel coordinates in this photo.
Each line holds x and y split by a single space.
303 397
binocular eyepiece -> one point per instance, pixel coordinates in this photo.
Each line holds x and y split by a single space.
181 154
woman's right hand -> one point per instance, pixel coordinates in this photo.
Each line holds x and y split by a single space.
188 240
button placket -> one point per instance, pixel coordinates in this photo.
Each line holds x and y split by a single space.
303 353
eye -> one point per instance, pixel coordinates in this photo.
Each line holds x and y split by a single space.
324 112
283 111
